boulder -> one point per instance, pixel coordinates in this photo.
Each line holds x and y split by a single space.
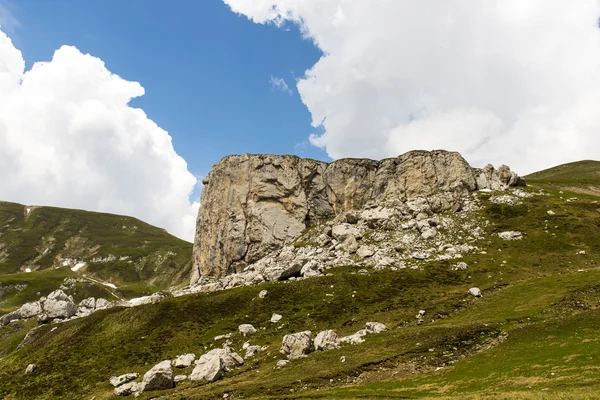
159 377
57 305
209 368
276 318
327 340
229 358
375 327
355 338
123 379
349 245
282 363
179 378
246 329
297 345
184 360
511 235
312 268
343 231
364 252
128 389
29 310
429 233
251 351
461 266
475 292
30 369
10 317
262 294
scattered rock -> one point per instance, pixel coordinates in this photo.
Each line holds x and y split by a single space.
355 338
159 377
364 252
30 369
276 318
461 266
297 345
57 305
375 327
184 360
251 351
421 314
343 231
123 379
282 363
475 292
128 389
511 235
327 340
262 294
246 329
550 212
209 368
342 359
229 358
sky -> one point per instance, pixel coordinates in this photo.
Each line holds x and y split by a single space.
123 106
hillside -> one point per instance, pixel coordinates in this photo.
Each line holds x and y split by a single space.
579 177
41 246
533 334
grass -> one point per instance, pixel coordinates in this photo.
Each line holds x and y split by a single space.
533 335
137 256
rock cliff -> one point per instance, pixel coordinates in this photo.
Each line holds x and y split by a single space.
253 205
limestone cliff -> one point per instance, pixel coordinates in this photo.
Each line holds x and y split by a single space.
252 205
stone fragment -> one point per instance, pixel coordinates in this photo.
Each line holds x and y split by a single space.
122 379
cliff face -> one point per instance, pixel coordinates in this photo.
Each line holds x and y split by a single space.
252 205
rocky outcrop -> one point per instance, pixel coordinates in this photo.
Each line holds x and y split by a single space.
253 205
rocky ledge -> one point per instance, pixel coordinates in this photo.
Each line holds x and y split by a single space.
255 205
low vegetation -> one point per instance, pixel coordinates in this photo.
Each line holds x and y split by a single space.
533 335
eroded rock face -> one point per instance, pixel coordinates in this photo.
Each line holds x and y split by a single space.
253 205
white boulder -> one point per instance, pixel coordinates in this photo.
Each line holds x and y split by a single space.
327 340
475 292
276 318
246 329
159 377
297 345
375 327
209 368
123 379
127 389
184 360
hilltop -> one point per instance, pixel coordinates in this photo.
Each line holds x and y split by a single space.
580 176
110 255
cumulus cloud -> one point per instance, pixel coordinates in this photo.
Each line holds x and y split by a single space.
278 84
503 81
69 138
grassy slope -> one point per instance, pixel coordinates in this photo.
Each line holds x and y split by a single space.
579 177
539 292
155 259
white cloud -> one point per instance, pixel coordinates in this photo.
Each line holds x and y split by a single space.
279 84
503 81
69 138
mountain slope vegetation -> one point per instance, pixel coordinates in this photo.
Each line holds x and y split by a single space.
41 246
534 334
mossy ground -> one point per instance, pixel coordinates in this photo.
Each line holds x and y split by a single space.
535 333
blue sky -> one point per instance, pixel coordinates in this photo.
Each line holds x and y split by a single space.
206 70
513 82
